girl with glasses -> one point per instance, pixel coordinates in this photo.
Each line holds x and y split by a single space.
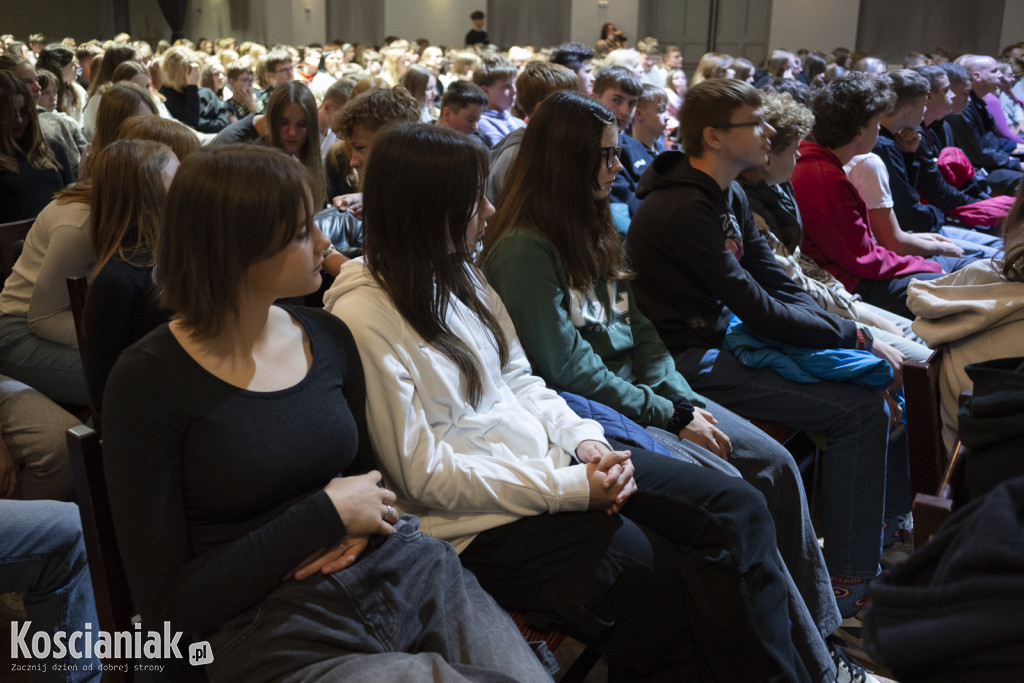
555 258
665 566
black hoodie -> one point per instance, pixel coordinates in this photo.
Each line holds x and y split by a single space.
698 256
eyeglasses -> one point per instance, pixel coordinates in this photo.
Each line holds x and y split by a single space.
284 69
610 154
757 124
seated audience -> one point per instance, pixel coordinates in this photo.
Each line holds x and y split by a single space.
422 85
713 65
554 258
30 171
882 178
770 196
194 412
650 120
534 84
357 124
690 282
334 98
278 68
199 108
108 61
963 195
469 438
34 462
121 306
291 124
974 130
462 106
579 58
619 90
837 229
240 80
496 76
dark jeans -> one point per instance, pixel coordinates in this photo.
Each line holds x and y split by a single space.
891 294
860 482
684 584
405 611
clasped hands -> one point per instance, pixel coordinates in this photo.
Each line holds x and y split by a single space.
609 473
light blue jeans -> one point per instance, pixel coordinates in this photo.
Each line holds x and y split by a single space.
43 554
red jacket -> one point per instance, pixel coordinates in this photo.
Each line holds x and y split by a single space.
837 233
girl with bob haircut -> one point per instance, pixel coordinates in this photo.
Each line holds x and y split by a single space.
554 256
484 452
225 431
131 183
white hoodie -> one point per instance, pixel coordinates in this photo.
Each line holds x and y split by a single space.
974 315
461 469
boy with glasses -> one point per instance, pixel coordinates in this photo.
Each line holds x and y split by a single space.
279 69
699 259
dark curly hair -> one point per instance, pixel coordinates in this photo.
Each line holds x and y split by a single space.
846 105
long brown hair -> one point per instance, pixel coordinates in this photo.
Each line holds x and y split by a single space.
127 200
415 243
119 102
31 142
551 186
298 93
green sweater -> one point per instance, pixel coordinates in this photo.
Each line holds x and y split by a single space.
596 344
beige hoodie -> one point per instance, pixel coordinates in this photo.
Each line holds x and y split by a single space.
973 315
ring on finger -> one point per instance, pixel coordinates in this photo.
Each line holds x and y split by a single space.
391 512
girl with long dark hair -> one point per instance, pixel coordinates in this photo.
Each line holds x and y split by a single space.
667 573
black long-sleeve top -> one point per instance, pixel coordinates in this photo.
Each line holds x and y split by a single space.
217 492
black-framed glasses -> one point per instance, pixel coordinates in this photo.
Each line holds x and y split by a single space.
757 123
610 154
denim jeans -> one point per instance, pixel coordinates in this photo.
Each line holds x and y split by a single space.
974 243
405 611
769 467
684 584
42 553
54 369
856 464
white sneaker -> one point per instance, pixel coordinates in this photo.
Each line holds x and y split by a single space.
849 670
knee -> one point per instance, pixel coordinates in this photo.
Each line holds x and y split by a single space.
743 509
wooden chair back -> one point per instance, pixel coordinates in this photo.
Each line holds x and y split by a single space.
11 233
924 424
114 605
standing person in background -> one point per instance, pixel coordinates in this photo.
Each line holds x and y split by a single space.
477 35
